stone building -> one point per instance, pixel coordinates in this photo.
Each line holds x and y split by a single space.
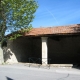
60 44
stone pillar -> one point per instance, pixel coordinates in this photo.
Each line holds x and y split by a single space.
1 55
44 51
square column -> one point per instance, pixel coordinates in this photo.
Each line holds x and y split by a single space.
44 50
1 55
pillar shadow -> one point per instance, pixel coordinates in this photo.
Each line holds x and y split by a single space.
9 78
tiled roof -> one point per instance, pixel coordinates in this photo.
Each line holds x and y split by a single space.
54 30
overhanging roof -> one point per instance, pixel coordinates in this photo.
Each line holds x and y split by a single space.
59 30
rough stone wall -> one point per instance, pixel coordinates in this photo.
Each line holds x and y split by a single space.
64 49
9 56
1 56
21 49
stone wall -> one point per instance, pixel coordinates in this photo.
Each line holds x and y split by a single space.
21 49
61 49
1 55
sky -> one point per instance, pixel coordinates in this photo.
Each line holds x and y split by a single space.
57 13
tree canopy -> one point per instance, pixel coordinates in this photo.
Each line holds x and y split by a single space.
16 15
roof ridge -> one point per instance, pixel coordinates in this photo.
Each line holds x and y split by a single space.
72 25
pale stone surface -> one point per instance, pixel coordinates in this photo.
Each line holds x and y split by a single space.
10 57
61 65
1 56
44 50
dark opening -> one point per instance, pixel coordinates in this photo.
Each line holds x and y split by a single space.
64 49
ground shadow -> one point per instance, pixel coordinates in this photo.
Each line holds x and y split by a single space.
9 78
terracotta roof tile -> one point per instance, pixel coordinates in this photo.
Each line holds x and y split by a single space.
55 30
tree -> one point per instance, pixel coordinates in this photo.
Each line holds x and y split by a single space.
16 15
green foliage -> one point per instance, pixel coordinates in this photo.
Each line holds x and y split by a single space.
20 32
14 36
16 15
26 29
